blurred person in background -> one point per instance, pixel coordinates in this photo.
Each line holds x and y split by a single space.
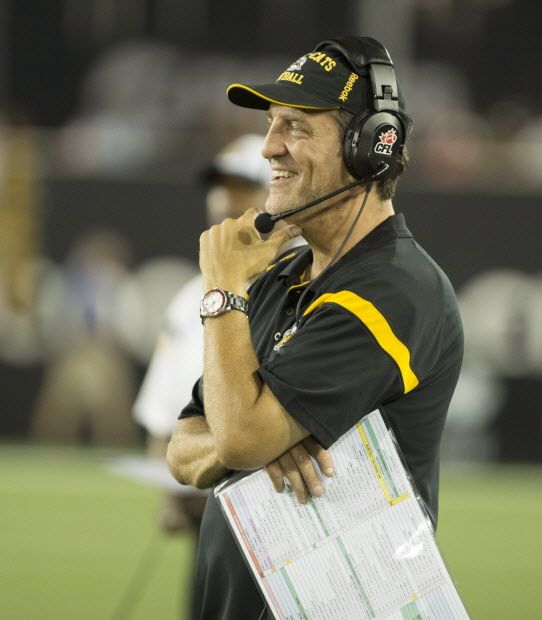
236 181
90 384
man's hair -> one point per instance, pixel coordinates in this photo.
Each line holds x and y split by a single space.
385 189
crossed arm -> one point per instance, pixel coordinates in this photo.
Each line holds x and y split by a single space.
193 460
245 427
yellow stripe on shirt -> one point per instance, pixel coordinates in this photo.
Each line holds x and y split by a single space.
377 324
281 260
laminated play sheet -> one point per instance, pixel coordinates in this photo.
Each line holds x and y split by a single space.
364 549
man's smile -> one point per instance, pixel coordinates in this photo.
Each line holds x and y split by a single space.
282 175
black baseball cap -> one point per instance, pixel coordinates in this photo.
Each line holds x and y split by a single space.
318 80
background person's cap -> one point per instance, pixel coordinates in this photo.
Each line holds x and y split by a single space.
241 159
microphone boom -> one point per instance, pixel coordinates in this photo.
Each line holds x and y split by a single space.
264 222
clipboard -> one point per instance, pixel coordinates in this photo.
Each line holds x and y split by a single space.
365 549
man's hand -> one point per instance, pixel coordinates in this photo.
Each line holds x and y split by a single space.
297 466
231 253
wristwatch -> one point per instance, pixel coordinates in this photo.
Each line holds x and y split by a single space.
217 301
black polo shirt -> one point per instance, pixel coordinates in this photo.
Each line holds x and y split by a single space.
379 329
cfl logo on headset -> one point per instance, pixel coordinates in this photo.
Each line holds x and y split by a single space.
386 140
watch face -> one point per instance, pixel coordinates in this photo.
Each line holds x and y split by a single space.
213 302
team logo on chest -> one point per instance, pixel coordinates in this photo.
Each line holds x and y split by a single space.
386 140
285 337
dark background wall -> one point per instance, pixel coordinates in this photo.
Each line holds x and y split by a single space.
466 233
48 46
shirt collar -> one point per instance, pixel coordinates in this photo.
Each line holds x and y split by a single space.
294 269
394 227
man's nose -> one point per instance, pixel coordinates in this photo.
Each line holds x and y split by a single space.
274 145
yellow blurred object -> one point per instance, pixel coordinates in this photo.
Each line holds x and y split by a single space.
19 217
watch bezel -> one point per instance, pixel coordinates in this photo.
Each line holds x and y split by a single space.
204 312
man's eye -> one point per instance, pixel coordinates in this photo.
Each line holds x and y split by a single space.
296 127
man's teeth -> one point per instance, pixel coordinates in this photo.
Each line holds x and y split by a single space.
283 174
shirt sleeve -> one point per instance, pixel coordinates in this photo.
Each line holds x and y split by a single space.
195 406
331 373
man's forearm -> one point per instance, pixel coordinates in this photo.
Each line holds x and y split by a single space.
231 386
191 454
249 425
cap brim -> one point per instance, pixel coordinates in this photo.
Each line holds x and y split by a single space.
261 96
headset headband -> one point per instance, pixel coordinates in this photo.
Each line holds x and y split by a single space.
365 53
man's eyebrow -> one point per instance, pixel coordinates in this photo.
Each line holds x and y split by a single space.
288 115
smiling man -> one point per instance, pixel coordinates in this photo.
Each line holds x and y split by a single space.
361 318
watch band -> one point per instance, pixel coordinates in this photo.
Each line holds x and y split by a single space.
236 302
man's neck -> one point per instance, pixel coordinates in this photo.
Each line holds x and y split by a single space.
327 234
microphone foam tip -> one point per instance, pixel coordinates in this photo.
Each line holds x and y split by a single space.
264 223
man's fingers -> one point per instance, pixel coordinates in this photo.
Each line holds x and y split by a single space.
275 473
294 477
284 233
297 466
322 456
250 214
307 470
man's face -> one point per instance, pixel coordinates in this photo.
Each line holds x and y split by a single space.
305 153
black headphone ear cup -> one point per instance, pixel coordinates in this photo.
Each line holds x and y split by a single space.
373 144
354 163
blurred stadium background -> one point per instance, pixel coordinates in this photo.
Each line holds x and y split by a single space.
108 111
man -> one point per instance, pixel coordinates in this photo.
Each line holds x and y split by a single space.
236 181
361 319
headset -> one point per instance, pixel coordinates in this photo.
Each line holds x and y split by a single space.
374 140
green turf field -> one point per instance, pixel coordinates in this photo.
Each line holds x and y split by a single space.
73 535
490 535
